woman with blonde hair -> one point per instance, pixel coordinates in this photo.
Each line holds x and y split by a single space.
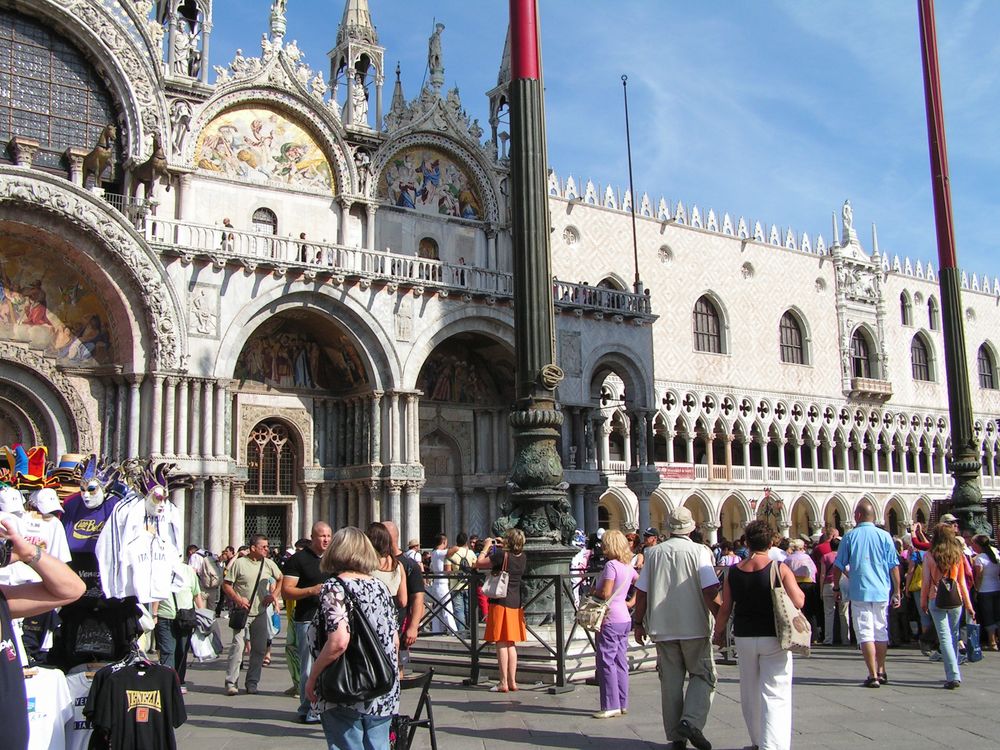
349 560
505 617
942 595
611 643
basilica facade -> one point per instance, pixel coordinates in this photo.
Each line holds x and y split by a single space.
294 282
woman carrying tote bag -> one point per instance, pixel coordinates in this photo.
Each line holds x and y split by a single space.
349 559
505 619
765 667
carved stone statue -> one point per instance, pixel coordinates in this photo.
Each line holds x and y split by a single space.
180 123
435 64
848 216
147 172
359 101
99 158
363 162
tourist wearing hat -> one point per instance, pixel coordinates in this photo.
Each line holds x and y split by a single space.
676 599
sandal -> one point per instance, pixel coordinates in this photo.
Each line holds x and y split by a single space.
267 660
872 682
498 689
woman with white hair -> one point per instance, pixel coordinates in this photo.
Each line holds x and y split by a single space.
804 570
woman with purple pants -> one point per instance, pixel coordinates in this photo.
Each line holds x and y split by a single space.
612 639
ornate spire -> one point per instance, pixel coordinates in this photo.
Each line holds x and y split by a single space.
357 23
503 75
398 99
278 23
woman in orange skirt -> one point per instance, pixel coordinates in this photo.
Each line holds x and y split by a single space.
505 618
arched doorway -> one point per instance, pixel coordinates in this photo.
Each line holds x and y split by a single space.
273 463
801 521
732 519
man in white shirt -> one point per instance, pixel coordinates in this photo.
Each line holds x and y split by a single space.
676 600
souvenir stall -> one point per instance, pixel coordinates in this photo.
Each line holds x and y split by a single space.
116 528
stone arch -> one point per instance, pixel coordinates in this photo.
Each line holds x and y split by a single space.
130 71
803 515
660 506
360 328
622 508
837 503
300 110
46 390
623 362
492 323
480 169
450 461
922 504
734 514
613 281
152 291
879 507
895 503
701 508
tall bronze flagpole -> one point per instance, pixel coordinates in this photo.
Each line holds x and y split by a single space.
537 494
966 495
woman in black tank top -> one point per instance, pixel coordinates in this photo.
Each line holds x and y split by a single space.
765 667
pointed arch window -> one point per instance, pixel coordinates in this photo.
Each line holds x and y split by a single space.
861 356
920 359
271 460
707 327
905 309
987 368
933 320
791 340
265 221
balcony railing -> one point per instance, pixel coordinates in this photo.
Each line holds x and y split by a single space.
596 298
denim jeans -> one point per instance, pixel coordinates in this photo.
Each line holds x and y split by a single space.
174 645
460 607
304 642
346 729
946 622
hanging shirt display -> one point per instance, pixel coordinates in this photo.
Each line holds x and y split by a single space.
78 728
138 706
45 531
50 706
13 717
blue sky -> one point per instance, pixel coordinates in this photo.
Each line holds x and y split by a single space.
776 110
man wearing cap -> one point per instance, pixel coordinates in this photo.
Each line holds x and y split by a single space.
868 557
650 537
676 599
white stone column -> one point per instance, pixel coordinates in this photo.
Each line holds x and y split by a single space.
373 490
179 499
781 456
221 402
183 418
375 429
394 428
206 418
325 511
197 416
156 417
411 511
412 429
603 442
184 191
578 504
236 520
395 510
308 514
216 497
370 209
169 416
341 514
134 403
345 213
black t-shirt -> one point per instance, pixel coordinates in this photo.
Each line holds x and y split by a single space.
516 565
414 583
139 706
753 615
304 565
14 701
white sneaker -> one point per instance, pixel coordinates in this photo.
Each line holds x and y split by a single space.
935 656
609 714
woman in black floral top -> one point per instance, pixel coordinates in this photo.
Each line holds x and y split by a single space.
349 559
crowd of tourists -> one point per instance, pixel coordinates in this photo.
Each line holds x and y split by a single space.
940 591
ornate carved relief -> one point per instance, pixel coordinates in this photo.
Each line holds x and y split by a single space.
81 209
204 310
32 416
570 356
76 410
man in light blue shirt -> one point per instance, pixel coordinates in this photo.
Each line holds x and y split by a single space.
868 558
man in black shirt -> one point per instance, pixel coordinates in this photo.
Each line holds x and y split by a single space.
301 583
410 615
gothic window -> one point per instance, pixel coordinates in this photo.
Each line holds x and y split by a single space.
707 327
791 339
265 221
987 369
861 356
932 314
428 248
271 460
51 93
905 310
920 359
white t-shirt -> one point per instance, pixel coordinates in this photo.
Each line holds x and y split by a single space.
777 554
50 706
991 574
78 729
150 568
48 533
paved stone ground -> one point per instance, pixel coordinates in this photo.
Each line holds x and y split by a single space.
831 710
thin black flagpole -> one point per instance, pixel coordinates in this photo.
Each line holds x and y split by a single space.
631 188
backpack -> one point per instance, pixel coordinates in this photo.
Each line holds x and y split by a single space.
210 575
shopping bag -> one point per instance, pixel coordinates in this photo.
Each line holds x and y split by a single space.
973 648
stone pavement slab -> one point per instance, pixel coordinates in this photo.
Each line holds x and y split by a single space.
831 710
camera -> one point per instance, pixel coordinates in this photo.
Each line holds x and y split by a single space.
6 550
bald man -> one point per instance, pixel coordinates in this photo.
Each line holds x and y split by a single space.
410 615
302 583
867 556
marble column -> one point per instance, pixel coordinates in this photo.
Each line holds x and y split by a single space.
183 418
197 414
370 209
221 402
184 191
109 429
411 511
237 530
651 440
465 503
395 509
341 420
602 438
345 216
169 417
325 512
198 512
134 402
217 489
330 457
308 514
578 504
156 417
394 427
206 418
353 515
373 512
375 419
178 497
412 431
341 514
491 506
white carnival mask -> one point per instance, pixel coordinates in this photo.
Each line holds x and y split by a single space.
92 493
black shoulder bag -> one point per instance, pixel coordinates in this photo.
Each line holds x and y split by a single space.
185 618
363 671
238 615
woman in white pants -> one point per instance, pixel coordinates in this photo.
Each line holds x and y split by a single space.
765 667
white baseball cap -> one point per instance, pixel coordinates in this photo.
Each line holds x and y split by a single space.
46 500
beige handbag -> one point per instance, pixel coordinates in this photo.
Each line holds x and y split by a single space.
790 626
495 585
